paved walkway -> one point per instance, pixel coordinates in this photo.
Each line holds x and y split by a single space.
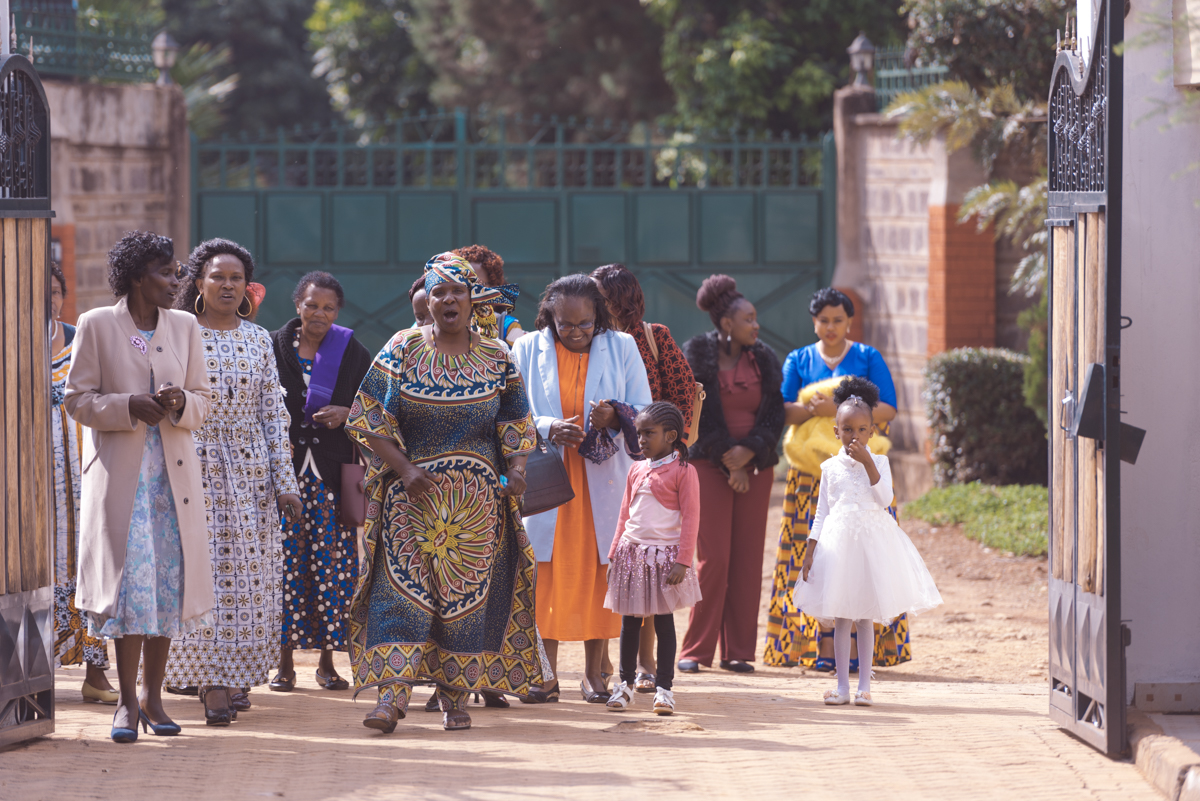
761 736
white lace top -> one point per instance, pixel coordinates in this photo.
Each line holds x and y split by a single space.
846 487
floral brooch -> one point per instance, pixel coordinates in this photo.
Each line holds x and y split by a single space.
138 343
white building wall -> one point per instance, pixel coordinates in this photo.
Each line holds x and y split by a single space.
1160 366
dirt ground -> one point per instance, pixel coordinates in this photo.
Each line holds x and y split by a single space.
966 719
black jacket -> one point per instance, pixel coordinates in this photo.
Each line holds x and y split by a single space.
330 446
714 439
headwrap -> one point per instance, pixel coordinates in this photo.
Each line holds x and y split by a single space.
452 268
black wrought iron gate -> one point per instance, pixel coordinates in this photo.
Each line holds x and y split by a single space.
1087 639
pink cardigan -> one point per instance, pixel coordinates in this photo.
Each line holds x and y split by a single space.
675 486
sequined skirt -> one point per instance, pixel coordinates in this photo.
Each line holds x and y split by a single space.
637 582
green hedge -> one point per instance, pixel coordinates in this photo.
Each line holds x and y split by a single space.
981 427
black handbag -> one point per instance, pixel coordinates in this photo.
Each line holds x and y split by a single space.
546 483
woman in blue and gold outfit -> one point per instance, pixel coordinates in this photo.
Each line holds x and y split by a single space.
447 589
793 637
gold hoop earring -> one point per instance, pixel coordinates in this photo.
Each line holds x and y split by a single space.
196 305
249 310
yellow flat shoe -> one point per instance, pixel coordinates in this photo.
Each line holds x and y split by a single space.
91 695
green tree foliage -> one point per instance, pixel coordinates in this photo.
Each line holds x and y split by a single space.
202 72
989 42
767 64
565 57
366 55
268 45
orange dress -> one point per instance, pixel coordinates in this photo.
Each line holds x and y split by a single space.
571 587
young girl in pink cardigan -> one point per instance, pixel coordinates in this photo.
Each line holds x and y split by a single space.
650 564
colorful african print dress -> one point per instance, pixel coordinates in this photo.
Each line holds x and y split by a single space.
72 643
447 588
245 463
794 638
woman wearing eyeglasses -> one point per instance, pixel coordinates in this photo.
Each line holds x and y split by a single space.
575 367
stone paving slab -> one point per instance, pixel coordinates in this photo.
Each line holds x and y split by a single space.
759 736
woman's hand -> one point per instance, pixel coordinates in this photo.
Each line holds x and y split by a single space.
677 573
332 416
603 415
739 480
147 409
289 503
806 565
171 398
566 432
821 406
417 482
516 483
737 457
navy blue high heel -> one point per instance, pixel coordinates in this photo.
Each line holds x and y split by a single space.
120 735
161 729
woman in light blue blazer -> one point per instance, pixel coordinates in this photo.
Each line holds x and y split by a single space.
574 366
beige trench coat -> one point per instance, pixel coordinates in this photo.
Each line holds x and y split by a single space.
107 367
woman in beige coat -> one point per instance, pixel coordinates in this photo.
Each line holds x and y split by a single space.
138 383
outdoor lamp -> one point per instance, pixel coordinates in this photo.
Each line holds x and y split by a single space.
165 49
862 58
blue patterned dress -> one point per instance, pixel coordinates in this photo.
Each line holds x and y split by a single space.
245 464
447 590
151 594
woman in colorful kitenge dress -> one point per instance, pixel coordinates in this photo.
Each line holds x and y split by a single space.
447 588
248 479
321 365
792 637
72 643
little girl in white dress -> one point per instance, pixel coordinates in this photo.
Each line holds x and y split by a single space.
866 570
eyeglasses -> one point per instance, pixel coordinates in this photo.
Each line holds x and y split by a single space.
566 328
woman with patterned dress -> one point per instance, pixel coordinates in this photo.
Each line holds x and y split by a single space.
794 638
72 643
321 365
138 383
671 380
248 479
447 592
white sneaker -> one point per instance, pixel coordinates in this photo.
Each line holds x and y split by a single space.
621 698
664 702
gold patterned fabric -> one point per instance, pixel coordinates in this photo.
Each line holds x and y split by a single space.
794 638
447 593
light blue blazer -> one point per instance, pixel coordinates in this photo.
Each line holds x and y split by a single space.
615 372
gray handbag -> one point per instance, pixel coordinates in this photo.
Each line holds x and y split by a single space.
546 483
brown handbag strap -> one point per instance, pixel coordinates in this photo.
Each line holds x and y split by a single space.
650 338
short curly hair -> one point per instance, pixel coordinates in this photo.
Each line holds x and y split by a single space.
491 266
417 286
133 254
204 253
573 286
626 300
321 280
828 296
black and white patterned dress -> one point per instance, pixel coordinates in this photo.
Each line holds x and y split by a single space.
246 464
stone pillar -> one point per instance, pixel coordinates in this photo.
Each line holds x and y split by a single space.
849 102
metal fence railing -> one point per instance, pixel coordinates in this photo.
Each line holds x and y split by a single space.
83 43
893 77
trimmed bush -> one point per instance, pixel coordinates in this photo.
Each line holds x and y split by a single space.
981 427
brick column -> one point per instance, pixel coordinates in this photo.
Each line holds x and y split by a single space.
962 283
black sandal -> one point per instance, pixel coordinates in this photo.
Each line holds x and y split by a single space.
214 715
281 685
492 699
542 696
334 682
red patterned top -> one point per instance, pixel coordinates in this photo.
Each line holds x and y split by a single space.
670 377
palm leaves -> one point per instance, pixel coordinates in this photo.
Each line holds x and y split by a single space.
1019 214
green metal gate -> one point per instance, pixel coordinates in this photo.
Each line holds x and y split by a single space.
552 198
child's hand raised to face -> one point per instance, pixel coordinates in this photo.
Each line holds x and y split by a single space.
858 452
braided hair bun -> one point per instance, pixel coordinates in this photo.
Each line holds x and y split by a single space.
857 387
717 295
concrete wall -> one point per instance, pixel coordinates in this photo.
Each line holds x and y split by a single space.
119 161
1160 508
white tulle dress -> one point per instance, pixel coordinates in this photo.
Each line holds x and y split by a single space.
865 567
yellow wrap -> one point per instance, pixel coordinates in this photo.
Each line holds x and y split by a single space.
809 444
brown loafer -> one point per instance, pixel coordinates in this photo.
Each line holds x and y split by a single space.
240 699
383 717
